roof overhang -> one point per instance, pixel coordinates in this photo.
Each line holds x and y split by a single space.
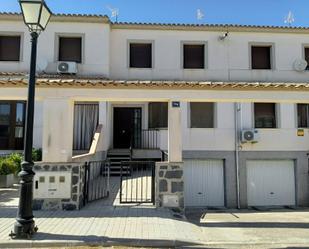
19 80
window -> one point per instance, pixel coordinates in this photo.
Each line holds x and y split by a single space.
157 115
12 122
86 120
70 49
141 55
9 48
307 57
194 56
302 115
202 115
261 57
265 115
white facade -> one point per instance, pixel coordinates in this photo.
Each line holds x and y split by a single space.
105 54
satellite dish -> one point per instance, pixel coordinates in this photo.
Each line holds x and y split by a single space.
300 65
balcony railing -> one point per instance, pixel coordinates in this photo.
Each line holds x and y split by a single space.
146 139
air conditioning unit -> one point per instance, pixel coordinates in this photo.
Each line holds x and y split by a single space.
249 136
64 67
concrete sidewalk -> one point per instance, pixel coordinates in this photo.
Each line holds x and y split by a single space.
275 228
98 224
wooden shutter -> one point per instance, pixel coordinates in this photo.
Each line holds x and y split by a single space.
302 115
202 115
158 115
10 48
194 56
265 115
70 49
307 57
140 55
261 57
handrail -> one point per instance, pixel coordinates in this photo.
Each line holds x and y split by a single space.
93 147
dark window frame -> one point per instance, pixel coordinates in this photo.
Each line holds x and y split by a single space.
14 143
162 123
79 58
133 63
262 122
18 53
189 64
300 113
306 55
194 125
270 63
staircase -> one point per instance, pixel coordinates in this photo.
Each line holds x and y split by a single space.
116 156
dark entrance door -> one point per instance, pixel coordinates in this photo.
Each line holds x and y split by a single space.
127 127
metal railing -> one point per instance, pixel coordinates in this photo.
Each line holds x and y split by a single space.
148 139
96 186
137 182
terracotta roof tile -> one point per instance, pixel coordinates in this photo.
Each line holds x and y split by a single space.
7 80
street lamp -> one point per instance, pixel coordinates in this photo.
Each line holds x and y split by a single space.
36 16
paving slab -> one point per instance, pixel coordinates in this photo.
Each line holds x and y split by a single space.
275 228
100 224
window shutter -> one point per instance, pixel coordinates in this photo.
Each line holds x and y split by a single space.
261 57
70 49
265 115
202 115
158 115
194 56
307 57
10 48
140 55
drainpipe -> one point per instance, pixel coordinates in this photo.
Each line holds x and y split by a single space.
237 147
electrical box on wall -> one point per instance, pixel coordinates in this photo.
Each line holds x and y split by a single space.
170 201
52 185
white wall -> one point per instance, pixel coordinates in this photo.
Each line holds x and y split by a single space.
95 46
106 52
226 60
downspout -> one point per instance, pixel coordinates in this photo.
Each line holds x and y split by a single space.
237 147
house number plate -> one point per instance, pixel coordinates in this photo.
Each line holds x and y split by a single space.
176 104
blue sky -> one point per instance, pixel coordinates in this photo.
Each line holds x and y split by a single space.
261 12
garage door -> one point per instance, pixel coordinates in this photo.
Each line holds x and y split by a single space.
204 183
270 182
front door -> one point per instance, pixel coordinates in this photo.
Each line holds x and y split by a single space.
127 127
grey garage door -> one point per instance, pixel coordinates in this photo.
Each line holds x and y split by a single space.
270 182
204 183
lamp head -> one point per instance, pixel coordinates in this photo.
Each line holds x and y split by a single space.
36 14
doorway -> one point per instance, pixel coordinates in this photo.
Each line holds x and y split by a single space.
127 127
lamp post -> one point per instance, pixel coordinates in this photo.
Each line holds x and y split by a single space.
36 16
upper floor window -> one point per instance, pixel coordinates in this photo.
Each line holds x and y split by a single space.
307 56
261 57
302 116
9 48
194 56
12 122
265 115
70 49
202 115
140 55
157 115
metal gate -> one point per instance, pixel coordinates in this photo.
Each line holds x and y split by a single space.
96 180
137 182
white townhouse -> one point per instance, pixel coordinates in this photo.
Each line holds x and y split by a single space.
229 103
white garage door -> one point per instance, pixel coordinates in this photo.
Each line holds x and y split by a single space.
270 182
204 183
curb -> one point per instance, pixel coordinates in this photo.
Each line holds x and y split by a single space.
103 242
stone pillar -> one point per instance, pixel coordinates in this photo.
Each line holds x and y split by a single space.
169 185
58 130
174 132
